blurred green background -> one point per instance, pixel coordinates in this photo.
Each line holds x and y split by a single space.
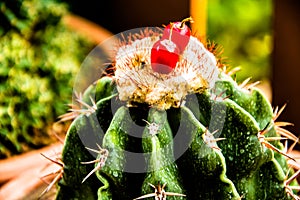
40 56
244 29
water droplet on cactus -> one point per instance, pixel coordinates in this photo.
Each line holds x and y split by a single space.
115 174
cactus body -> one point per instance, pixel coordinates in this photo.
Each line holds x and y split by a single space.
209 146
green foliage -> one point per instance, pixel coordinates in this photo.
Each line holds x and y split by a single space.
237 166
244 29
38 57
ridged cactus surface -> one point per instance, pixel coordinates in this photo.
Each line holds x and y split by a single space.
186 133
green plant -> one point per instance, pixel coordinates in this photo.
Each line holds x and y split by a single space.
38 56
245 36
193 133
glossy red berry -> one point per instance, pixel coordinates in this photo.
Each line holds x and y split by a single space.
179 33
164 56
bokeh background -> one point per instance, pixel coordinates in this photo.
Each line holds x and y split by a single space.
41 52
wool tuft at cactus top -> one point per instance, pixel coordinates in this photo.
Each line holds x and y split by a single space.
191 134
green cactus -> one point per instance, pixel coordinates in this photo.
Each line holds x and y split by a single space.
191 134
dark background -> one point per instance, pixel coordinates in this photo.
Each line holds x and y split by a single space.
120 15
286 57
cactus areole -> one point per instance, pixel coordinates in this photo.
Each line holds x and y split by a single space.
186 131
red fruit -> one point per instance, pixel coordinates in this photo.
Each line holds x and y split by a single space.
164 56
179 33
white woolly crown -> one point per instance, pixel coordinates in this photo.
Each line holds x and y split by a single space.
195 71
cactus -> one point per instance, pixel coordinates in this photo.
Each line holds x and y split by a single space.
189 133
